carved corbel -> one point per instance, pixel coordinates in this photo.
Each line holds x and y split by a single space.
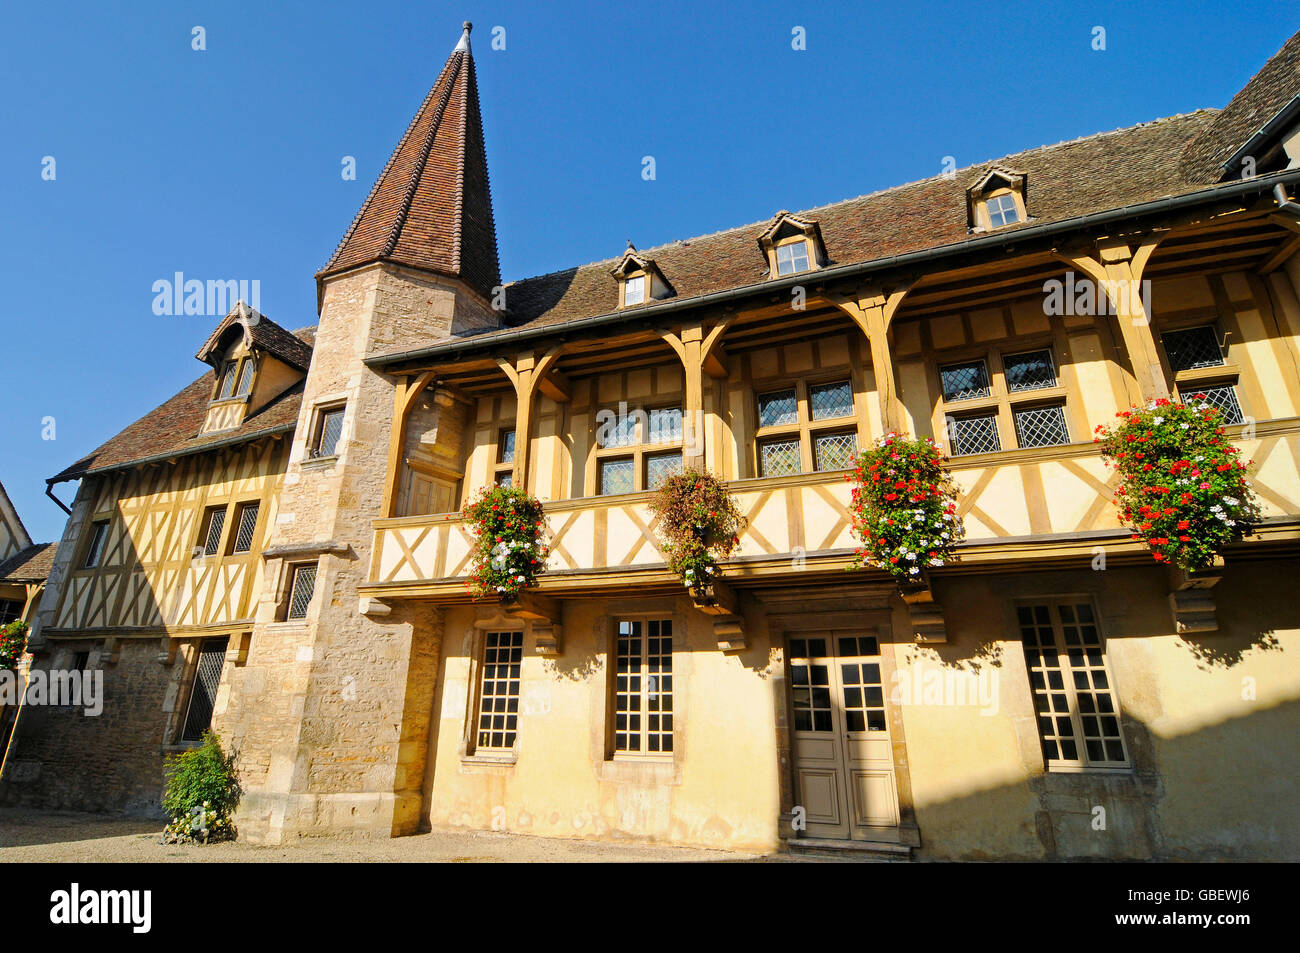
547 636
1191 597
167 650
928 625
729 630
237 647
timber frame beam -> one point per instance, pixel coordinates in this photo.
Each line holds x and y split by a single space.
405 394
872 310
700 354
529 373
1116 267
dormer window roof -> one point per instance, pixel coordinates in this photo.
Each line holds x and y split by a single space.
792 245
639 279
996 199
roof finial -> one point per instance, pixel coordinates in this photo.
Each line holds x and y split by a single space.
630 246
463 45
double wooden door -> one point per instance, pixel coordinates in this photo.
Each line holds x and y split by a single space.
844 761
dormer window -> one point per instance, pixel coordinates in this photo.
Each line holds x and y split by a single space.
639 279
792 257
634 290
996 200
792 245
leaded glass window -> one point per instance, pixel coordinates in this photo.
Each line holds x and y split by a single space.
777 408
1221 396
965 381
1041 426
203 689
244 531
300 591
214 521
660 466
827 401
617 476
1031 370
779 457
1193 348
974 434
835 451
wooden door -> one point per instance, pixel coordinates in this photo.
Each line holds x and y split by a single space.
844 762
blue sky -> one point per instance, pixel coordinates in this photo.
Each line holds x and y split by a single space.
226 163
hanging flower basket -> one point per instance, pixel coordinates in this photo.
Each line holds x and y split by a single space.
904 509
1182 488
510 551
13 643
698 524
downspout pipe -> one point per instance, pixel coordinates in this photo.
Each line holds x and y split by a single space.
1284 203
49 491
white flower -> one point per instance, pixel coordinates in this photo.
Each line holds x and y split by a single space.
1159 420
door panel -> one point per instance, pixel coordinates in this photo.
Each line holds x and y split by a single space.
844 761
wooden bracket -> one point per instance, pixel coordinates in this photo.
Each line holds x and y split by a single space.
370 606
1191 598
166 650
928 625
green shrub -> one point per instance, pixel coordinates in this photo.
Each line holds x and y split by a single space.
201 794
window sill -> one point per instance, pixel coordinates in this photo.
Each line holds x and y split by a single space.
319 463
488 764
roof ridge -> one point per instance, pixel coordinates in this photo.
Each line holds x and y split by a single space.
867 195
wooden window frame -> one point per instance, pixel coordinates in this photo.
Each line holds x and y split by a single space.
96 525
1080 765
985 221
640 449
1001 399
804 427
642 755
502 467
809 251
645 288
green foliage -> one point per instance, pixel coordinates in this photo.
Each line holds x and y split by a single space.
13 642
699 524
201 794
1181 487
511 550
904 507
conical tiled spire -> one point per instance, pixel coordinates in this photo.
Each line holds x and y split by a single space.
431 207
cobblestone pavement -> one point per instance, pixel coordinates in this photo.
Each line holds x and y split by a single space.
59 836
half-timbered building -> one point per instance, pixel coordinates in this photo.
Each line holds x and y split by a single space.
278 551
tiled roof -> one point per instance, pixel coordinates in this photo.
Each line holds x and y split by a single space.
1268 91
431 207
172 428
30 565
263 332
1103 171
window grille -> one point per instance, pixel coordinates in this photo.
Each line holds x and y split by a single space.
95 551
660 466
965 381
214 522
247 524
779 457
331 428
617 476
835 451
978 434
498 718
828 401
778 407
1041 426
203 689
1193 348
1032 370
300 591
1222 396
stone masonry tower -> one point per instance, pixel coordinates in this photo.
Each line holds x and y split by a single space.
330 713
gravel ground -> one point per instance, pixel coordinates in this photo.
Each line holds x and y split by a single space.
65 837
